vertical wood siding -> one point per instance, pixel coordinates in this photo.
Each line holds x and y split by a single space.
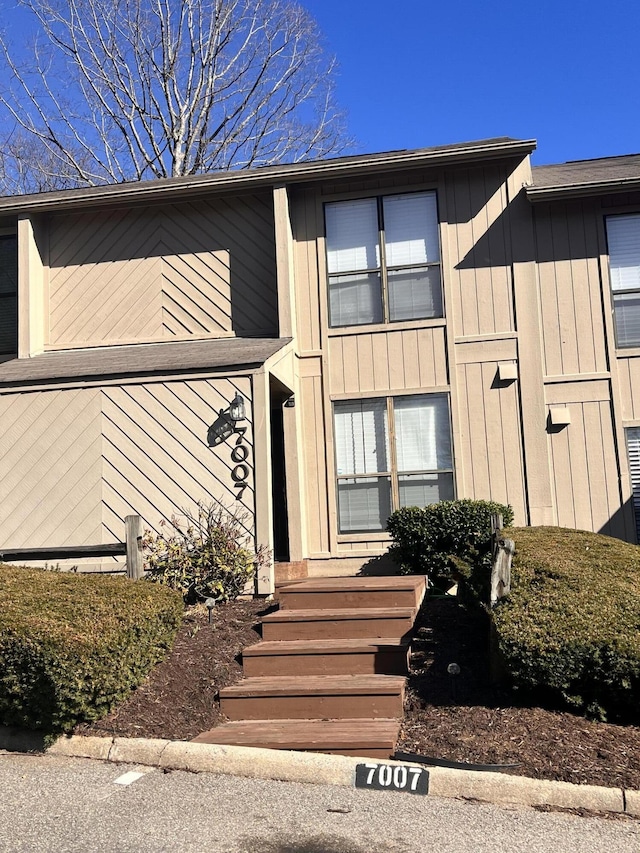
50 469
489 445
314 443
388 361
306 230
74 463
629 380
183 270
570 290
584 461
476 230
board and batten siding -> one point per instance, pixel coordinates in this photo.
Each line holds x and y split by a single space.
629 382
584 460
315 456
155 273
75 462
387 360
489 442
472 205
571 300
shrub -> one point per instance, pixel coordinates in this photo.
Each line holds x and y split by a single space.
204 556
432 541
570 629
71 646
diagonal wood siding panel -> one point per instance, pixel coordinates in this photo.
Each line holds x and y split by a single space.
156 458
50 468
201 269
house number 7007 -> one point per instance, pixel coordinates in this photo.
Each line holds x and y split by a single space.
239 456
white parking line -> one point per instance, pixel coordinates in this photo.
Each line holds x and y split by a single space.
128 778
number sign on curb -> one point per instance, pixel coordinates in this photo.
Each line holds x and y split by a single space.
392 777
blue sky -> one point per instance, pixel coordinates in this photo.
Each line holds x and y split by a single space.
415 73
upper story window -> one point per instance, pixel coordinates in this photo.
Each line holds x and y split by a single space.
383 258
623 237
8 294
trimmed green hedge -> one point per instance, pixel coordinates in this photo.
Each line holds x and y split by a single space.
425 540
71 646
571 625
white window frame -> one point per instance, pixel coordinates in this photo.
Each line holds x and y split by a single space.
383 267
616 287
392 474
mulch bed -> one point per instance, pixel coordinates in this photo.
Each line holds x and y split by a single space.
461 718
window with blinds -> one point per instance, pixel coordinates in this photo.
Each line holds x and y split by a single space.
623 237
376 474
383 259
8 294
633 449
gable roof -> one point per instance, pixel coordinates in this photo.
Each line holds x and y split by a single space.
141 360
169 189
585 177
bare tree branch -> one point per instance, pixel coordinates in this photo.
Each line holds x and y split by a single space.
118 90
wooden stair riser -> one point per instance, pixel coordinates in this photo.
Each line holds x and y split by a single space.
362 738
312 707
336 629
293 599
387 662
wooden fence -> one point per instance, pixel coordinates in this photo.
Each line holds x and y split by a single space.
131 548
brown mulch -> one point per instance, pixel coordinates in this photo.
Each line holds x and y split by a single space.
178 700
460 718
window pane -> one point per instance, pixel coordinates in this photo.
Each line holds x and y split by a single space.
361 437
423 436
414 293
352 235
8 265
411 229
623 235
364 505
355 299
627 311
8 324
425 489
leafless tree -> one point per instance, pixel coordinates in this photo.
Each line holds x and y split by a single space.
120 90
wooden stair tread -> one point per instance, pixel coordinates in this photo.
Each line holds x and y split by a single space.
310 647
357 584
316 685
335 614
306 734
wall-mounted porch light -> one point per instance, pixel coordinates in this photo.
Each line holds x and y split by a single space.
225 423
237 411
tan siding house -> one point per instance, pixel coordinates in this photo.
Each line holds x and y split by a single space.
402 328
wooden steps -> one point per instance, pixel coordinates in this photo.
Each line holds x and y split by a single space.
327 657
314 697
314 593
338 624
329 674
370 738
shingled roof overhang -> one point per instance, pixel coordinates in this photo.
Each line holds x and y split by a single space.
140 360
172 189
585 178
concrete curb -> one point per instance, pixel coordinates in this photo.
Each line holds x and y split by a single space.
319 769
